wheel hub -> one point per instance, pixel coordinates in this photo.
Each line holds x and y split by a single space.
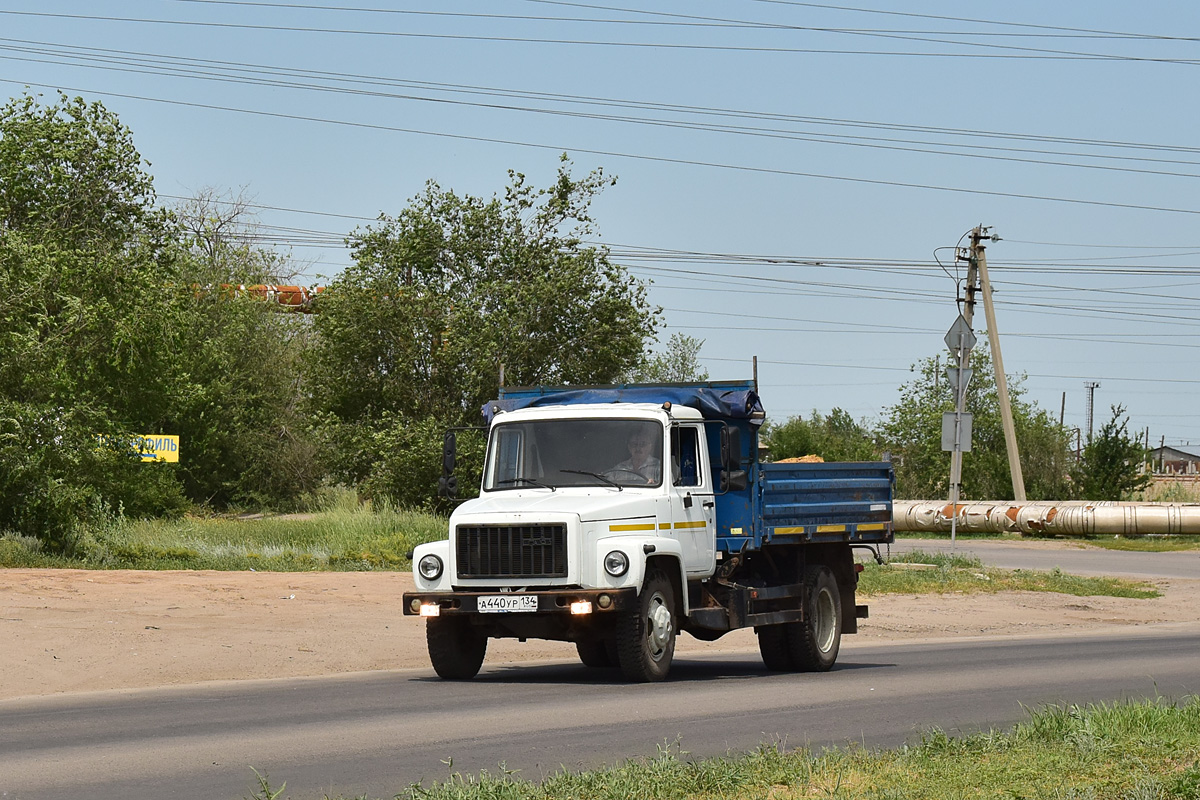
658 628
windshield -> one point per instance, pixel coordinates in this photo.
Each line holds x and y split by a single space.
574 452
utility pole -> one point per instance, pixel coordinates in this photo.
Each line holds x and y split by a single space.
960 340
978 253
1091 387
964 364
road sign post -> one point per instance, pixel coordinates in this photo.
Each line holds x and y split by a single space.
956 424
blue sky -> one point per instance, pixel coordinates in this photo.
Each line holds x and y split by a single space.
789 173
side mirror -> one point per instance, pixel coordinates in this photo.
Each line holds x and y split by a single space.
448 484
733 477
733 480
731 448
449 450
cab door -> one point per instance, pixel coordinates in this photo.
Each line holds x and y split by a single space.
693 517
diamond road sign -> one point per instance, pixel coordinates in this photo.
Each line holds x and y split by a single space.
960 338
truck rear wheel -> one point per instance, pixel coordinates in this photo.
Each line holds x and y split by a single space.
775 648
646 633
812 644
815 641
456 649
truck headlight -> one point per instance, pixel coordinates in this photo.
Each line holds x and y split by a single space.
616 563
430 567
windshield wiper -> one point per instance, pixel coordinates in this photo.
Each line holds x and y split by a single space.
530 481
609 481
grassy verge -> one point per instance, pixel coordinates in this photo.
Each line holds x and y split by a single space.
918 572
1124 751
1146 544
345 537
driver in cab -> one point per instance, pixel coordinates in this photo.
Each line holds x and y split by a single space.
643 462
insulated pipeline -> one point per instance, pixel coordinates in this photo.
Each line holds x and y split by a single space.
1064 518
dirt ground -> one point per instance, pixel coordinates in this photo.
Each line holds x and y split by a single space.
81 630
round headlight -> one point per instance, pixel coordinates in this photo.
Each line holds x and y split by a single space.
430 567
616 563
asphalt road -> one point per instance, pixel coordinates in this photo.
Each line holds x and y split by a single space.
377 733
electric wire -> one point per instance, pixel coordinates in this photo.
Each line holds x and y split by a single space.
839 140
630 156
1014 52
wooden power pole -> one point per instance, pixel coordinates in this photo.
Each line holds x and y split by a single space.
979 257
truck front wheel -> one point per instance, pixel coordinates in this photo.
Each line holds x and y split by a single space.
646 633
597 653
456 649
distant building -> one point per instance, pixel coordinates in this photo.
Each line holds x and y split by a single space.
1173 461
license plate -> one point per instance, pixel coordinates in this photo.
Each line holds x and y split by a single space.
504 603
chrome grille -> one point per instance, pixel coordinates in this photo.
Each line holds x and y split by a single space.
512 551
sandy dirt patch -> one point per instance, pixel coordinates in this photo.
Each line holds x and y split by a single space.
84 630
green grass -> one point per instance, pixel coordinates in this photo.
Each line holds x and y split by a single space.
1123 751
345 537
950 573
1145 544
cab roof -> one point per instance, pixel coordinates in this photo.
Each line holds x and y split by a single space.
713 399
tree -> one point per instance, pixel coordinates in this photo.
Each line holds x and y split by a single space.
677 362
1110 467
82 249
235 391
454 288
911 431
71 172
109 329
833 437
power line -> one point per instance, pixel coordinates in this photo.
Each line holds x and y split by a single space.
838 140
631 156
240 72
972 20
1022 53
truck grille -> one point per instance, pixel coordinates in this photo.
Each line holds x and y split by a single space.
512 551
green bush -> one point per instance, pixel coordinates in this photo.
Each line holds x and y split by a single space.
57 476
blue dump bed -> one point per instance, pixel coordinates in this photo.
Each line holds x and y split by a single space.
839 501
802 503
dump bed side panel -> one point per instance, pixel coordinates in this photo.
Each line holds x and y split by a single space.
831 502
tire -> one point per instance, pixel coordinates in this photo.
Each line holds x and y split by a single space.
596 653
456 649
814 643
646 633
774 647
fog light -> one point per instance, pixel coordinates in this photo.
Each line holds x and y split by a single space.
581 607
431 610
414 605
604 601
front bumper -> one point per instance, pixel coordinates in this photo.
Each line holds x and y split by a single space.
551 601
